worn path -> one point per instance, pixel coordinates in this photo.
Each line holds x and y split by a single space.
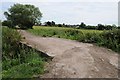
74 59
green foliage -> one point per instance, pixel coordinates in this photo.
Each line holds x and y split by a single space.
32 66
50 23
82 25
90 37
11 39
109 39
90 27
7 23
57 32
24 16
100 27
19 61
118 27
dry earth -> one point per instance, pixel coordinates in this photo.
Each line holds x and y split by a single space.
74 59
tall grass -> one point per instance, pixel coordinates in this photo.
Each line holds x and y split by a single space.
68 33
18 61
109 39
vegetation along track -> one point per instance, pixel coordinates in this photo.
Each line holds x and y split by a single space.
74 59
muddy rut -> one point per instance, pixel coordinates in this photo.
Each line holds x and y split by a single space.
74 59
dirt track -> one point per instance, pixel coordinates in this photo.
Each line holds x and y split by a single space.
74 59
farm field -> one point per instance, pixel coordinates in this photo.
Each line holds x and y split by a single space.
67 33
60 31
100 37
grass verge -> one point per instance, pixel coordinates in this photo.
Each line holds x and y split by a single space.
17 60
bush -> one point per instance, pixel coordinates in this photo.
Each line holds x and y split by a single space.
90 37
17 60
10 45
7 23
111 39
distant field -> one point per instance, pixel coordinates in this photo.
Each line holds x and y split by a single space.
107 38
61 32
63 28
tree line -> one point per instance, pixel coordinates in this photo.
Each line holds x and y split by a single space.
26 16
82 26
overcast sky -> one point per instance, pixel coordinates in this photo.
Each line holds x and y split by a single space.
73 12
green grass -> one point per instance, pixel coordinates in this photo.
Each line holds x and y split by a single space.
17 60
68 33
101 38
64 28
32 66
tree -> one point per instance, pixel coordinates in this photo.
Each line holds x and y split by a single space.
48 23
82 25
7 23
59 25
53 23
108 27
63 24
100 27
114 26
25 16
118 27
91 27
